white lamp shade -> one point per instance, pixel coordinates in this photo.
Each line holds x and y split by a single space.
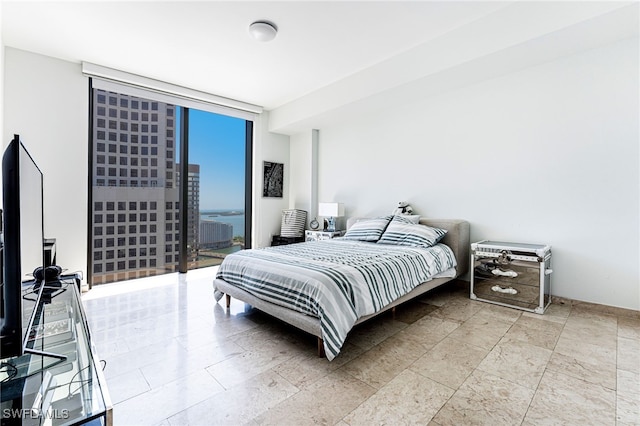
331 209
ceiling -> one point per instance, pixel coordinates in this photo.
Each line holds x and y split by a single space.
339 50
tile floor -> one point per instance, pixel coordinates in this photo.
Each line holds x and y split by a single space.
175 357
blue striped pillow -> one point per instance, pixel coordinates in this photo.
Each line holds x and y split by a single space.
402 232
368 229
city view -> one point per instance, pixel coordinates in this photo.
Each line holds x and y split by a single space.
226 223
136 175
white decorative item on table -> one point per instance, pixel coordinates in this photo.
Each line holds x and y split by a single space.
330 211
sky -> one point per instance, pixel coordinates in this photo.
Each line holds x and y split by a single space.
217 144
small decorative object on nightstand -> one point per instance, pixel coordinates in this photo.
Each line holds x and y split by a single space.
330 211
512 274
321 235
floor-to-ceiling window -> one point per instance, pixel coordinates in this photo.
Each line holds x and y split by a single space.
145 220
216 195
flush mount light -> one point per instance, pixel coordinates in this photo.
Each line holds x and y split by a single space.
263 30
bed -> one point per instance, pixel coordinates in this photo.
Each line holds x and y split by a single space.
327 287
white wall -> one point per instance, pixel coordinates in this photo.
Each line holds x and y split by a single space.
268 211
302 185
46 101
548 155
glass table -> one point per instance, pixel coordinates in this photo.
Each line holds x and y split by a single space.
59 379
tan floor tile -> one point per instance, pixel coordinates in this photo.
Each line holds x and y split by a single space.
519 362
535 331
604 309
412 311
246 365
628 398
603 374
574 347
562 399
486 399
449 362
629 384
127 386
374 331
627 411
406 345
585 314
590 331
629 328
302 370
482 330
458 310
589 378
431 330
306 368
555 312
439 297
376 367
326 401
156 405
498 312
409 399
162 372
230 407
629 354
168 351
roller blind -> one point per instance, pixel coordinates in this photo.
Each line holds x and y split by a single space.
131 84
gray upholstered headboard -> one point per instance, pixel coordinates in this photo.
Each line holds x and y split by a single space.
457 238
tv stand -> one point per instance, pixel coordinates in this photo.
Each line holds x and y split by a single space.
58 379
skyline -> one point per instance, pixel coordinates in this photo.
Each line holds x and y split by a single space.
217 145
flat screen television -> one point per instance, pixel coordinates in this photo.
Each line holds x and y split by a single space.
23 240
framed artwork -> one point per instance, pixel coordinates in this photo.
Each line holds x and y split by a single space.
273 176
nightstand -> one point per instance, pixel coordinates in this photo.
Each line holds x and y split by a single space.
321 235
277 240
512 274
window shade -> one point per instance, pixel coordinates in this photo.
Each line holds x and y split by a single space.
122 82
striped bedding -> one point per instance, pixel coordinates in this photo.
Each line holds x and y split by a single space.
337 281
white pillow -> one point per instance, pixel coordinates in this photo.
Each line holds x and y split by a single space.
402 232
368 229
413 218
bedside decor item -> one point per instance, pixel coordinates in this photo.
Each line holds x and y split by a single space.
273 178
515 275
403 208
314 224
293 223
330 211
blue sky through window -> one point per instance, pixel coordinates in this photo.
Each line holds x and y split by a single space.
217 144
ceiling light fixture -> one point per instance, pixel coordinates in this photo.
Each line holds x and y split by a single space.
263 30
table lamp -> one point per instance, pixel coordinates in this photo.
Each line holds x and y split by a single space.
331 211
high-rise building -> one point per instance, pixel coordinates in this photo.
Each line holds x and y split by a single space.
135 196
193 209
215 235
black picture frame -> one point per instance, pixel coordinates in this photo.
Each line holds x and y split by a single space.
273 178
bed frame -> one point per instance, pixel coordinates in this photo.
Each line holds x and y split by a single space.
457 238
